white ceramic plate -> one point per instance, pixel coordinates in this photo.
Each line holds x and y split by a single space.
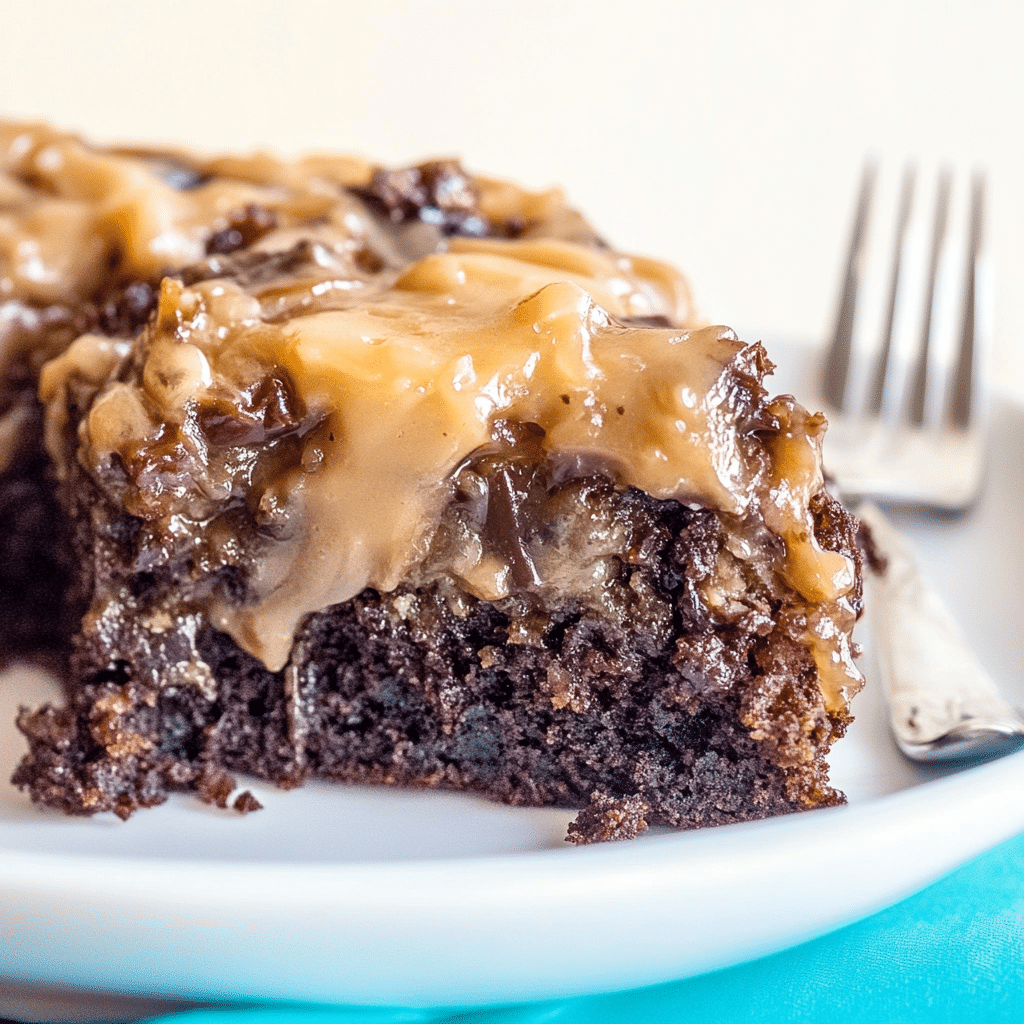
380 897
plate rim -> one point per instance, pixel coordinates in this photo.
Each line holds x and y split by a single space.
550 884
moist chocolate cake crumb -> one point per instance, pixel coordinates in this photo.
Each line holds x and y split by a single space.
37 613
607 819
872 555
246 803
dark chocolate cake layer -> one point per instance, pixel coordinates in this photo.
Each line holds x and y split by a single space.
642 712
38 614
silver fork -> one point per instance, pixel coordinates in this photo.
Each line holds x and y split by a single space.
894 437
918 437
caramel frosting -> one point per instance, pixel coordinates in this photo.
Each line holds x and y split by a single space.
71 213
316 398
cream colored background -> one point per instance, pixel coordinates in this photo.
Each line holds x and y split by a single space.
727 137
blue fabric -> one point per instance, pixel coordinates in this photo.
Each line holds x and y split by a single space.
953 952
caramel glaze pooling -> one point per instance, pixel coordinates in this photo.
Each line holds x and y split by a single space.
322 395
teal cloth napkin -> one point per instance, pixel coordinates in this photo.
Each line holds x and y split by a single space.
953 952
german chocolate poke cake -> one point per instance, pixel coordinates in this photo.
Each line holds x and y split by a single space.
399 477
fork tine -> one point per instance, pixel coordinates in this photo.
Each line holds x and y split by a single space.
837 361
919 387
918 439
875 400
960 400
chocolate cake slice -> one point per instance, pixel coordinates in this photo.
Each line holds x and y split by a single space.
425 485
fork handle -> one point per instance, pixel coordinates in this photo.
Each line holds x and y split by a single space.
943 704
